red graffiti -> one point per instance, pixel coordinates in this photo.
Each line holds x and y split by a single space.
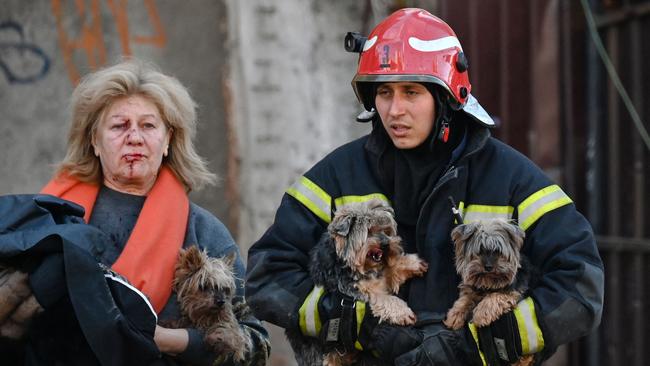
89 39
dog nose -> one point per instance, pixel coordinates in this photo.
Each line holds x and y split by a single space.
489 260
219 299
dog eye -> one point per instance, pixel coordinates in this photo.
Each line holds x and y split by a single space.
375 254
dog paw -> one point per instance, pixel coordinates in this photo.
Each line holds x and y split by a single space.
527 360
422 268
406 318
416 265
492 307
224 340
238 355
485 315
455 320
393 310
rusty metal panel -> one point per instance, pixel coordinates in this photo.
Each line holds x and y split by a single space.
560 95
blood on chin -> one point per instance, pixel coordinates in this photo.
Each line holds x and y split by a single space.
129 173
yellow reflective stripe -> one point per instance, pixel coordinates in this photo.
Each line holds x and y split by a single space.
474 331
539 203
532 340
485 212
346 200
361 312
313 197
309 318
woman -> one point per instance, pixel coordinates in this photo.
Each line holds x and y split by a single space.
130 163
430 140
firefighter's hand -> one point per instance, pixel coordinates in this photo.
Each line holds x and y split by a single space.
17 303
442 346
336 318
339 315
387 342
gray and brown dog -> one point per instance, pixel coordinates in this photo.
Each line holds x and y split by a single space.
495 276
362 257
205 288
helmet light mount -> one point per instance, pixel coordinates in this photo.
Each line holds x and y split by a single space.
354 42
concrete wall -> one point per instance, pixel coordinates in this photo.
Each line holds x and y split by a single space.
293 98
294 103
47 45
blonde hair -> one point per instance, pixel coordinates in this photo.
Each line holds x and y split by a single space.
99 89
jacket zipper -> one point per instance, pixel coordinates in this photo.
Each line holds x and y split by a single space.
450 173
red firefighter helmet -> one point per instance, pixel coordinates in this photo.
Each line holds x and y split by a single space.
413 45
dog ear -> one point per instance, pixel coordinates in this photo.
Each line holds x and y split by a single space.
342 224
463 232
516 233
192 258
230 259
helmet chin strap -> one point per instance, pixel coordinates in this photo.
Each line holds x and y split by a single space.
443 116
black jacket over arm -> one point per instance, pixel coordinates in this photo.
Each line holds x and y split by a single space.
46 236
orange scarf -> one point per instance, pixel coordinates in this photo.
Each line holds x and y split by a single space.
150 254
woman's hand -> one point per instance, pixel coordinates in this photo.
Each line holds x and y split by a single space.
171 341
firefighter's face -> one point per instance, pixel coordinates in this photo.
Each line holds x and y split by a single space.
407 110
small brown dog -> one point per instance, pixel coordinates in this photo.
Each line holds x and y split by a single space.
17 303
488 259
361 256
205 288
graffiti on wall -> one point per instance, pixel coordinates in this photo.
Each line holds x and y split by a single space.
89 40
20 60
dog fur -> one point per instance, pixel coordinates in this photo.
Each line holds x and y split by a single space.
361 256
205 288
495 276
17 303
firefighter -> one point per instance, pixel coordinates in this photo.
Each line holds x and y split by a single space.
430 140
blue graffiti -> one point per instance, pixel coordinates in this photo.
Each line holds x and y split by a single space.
21 62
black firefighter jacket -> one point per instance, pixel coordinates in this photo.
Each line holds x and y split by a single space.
489 179
91 316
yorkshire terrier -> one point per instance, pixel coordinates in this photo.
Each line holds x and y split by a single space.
495 275
361 256
205 288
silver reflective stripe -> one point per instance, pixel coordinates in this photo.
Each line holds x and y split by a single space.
485 212
313 197
539 203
